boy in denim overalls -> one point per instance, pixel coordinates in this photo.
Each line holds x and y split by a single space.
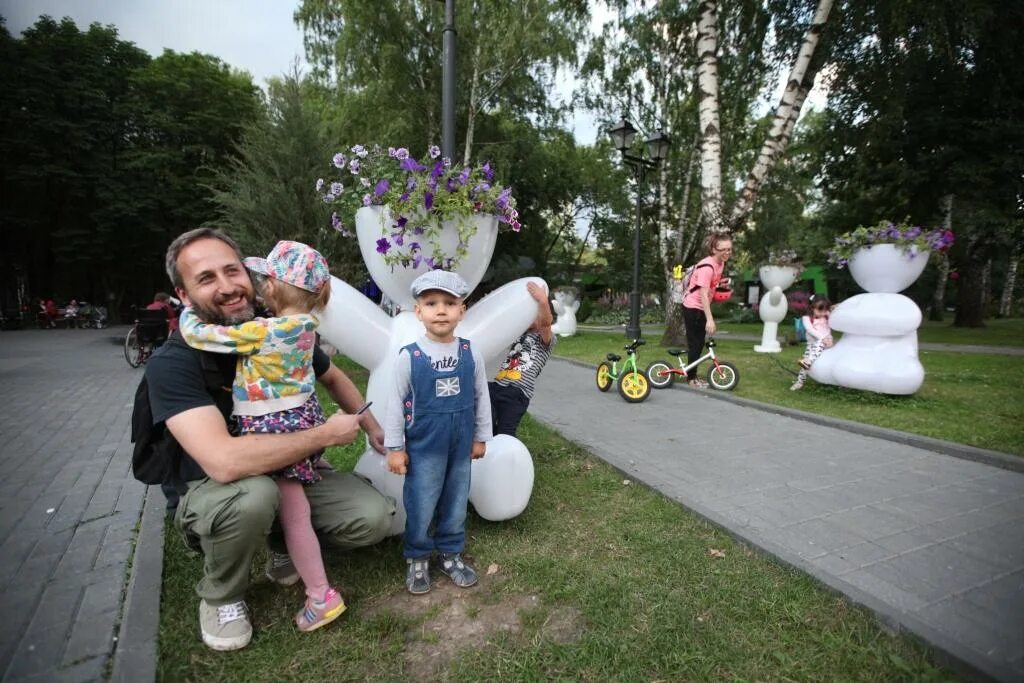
438 418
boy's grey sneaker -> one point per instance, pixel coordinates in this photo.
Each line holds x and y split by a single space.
225 627
461 574
417 576
280 568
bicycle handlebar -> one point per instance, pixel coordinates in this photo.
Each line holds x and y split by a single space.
636 342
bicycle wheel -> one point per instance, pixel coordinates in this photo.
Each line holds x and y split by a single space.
659 374
604 377
634 387
725 377
132 348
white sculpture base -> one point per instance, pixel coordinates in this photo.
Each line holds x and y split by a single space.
773 306
878 350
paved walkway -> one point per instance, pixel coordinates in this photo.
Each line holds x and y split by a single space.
931 543
68 504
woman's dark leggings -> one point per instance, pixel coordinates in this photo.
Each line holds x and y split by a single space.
695 320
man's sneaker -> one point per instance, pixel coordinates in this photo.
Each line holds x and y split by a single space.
797 385
280 569
461 574
319 613
225 627
417 576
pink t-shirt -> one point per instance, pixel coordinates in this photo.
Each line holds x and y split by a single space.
703 277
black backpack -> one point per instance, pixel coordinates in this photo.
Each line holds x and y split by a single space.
157 456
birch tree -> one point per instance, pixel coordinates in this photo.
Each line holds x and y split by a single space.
798 84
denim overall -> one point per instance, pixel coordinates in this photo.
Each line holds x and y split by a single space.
440 420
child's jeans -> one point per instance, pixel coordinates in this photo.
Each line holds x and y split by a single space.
437 490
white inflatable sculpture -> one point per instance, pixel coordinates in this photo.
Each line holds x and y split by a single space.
774 304
878 349
502 481
565 305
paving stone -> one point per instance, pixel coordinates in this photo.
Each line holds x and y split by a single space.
91 637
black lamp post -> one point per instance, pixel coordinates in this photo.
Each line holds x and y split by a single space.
622 134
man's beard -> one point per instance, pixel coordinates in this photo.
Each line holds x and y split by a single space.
213 315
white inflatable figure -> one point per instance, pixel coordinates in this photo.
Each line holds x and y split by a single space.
367 335
774 305
565 305
878 349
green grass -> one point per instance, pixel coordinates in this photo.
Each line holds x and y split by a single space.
973 399
1001 332
632 571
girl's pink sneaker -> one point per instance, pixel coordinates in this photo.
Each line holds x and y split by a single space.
316 614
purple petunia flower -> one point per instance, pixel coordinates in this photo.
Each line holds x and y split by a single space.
402 220
398 238
428 200
416 261
401 154
438 170
367 200
339 160
488 172
353 166
383 245
502 201
434 151
451 185
336 188
404 197
365 182
359 151
464 175
319 184
391 151
328 198
411 165
414 247
382 186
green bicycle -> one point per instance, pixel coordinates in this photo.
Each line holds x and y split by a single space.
633 384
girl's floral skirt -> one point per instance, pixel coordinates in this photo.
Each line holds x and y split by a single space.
306 416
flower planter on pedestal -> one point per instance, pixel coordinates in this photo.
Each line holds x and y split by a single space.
878 349
363 332
773 305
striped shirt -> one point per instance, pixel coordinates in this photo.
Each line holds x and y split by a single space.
525 360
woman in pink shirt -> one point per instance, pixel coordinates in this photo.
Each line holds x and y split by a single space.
697 301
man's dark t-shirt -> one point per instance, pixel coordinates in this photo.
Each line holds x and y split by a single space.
177 382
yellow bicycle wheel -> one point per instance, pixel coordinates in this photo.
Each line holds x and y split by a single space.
634 387
604 377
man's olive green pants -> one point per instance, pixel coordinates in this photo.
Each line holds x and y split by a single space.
228 523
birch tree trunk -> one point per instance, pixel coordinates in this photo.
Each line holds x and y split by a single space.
675 328
708 119
474 84
1006 300
986 286
938 308
786 114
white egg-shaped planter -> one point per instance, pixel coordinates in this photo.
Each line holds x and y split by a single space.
887 267
374 223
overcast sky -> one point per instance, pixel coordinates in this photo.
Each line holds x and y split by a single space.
257 36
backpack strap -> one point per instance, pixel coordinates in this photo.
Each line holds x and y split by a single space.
694 288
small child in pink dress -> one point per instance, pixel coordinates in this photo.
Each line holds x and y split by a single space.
274 393
819 337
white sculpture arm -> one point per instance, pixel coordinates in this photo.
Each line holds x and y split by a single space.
356 325
499 318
